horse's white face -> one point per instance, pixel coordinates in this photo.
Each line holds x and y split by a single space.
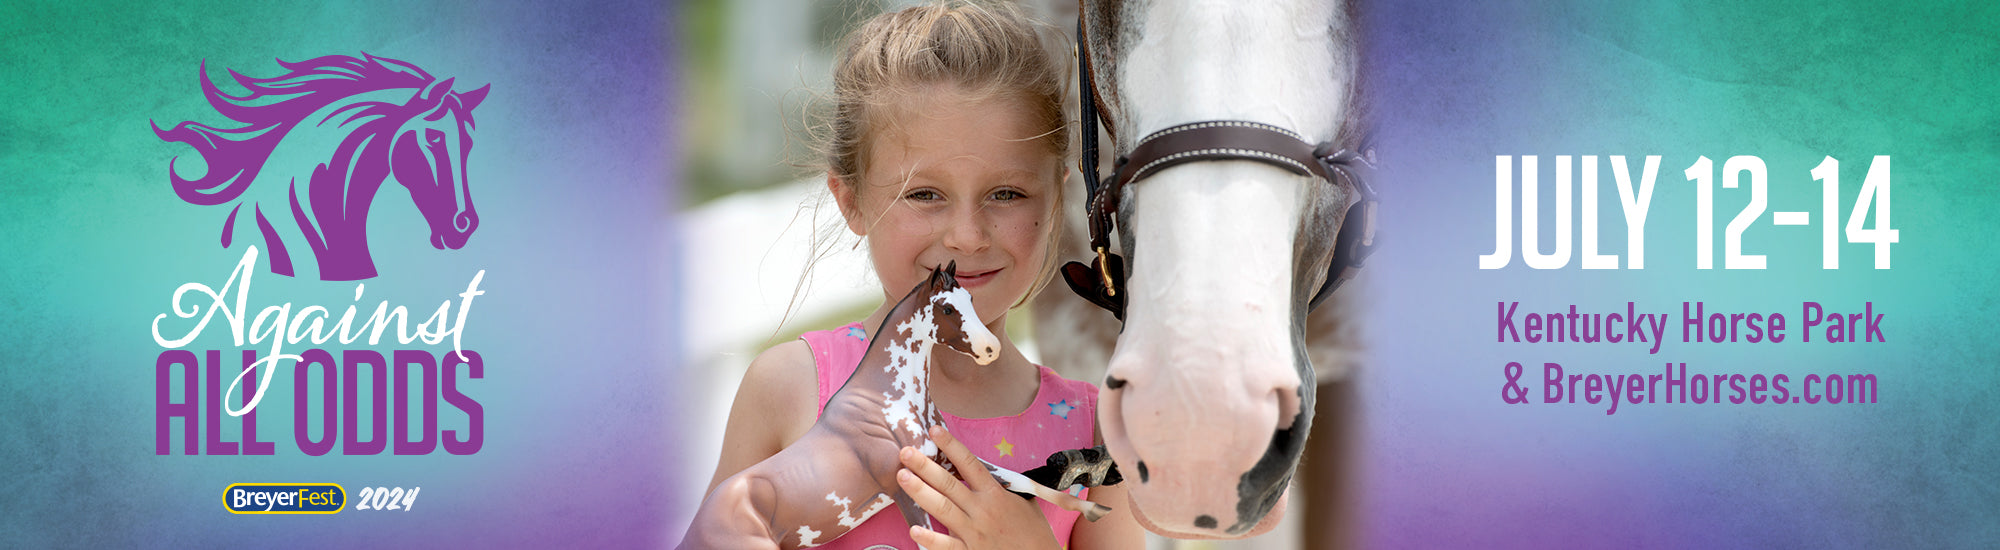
971 336
1208 394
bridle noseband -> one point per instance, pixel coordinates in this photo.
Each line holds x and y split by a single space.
1208 141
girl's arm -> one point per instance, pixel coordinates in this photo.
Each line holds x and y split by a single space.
775 405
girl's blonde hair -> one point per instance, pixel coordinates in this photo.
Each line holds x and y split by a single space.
987 52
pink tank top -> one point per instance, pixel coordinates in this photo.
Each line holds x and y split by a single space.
1061 418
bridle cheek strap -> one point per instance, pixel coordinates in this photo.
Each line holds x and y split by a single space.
1355 240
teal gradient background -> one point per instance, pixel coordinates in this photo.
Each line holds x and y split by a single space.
571 176
1452 465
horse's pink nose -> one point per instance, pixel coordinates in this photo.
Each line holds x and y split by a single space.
1194 424
465 221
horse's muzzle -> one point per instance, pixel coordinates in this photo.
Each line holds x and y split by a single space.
462 226
1210 455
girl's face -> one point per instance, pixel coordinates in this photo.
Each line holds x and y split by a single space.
947 179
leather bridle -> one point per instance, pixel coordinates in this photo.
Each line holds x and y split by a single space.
1208 141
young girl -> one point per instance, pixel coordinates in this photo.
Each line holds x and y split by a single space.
946 145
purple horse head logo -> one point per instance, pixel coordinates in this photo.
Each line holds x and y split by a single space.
391 118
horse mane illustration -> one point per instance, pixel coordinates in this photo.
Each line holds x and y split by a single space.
422 139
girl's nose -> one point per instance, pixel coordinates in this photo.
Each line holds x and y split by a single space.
967 233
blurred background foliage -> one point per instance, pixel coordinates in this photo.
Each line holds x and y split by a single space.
753 68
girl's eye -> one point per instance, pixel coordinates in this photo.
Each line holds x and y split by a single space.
1008 195
923 195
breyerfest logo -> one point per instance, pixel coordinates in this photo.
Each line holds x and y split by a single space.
393 119
284 498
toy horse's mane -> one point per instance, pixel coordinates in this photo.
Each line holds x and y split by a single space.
275 105
937 275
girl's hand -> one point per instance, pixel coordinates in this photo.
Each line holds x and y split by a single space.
979 512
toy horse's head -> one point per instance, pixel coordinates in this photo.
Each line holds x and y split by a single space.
958 325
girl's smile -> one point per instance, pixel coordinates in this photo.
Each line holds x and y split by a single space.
975 279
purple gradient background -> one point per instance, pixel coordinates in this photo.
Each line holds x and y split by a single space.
1449 465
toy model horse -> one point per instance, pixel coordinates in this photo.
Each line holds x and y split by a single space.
843 470
1231 191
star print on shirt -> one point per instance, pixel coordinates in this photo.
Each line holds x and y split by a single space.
857 333
1006 449
1061 408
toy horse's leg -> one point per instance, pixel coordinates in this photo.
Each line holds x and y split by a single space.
1014 481
1090 467
736 515
912 513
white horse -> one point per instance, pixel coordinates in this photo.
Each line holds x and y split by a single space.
1210 390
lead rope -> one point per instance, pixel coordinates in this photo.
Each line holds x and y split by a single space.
1098 282
1100 230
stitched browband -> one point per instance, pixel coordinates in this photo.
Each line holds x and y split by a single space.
1219 140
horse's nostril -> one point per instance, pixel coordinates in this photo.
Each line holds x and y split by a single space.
1114 382
465 221
1204 521
1142 471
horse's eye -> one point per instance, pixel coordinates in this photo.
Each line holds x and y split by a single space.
948 310
434 136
